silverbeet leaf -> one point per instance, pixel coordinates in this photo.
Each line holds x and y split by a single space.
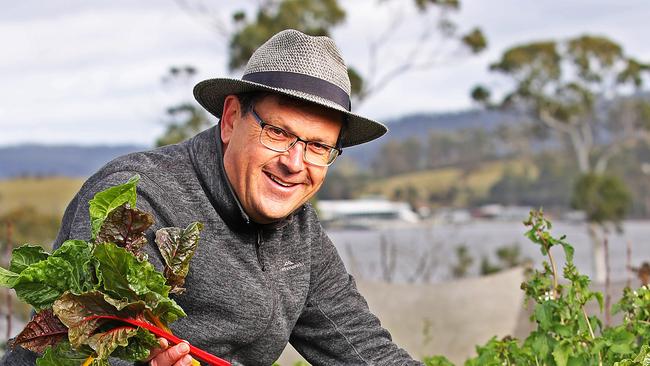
124 276
77 311
43 331
107 200
41 281
8 278
138 347
125 226
62 355
177 247
25 255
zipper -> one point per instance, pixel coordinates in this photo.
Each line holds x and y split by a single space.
258 250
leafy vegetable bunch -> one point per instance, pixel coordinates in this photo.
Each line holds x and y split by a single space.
565 334
97 299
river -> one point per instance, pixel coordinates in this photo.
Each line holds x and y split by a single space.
427 252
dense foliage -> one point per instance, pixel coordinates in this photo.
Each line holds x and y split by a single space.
83 289
565 334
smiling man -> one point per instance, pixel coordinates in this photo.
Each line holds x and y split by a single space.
265 273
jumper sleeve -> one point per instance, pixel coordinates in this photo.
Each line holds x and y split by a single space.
336 327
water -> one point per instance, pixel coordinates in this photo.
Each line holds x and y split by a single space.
426 253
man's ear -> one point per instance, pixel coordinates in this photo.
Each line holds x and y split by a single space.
230 115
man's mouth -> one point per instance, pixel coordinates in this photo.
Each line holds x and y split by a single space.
279 181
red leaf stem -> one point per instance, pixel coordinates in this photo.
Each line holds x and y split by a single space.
194 351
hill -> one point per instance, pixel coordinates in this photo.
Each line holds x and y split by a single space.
81 161
70 161
421 125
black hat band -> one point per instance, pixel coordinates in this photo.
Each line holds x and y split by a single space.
303 83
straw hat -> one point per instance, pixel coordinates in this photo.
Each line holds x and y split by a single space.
300 66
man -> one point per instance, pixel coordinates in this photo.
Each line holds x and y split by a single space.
265 273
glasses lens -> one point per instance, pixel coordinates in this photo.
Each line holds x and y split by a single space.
280 140
276 138
319 154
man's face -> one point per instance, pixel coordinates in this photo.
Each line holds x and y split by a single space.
271 185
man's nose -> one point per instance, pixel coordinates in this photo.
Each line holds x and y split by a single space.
293 159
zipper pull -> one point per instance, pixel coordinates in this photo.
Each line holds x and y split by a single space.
258 250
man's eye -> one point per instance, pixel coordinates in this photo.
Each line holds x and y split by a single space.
276 132
318 148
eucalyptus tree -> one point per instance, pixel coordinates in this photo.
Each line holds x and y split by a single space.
589 91
434 39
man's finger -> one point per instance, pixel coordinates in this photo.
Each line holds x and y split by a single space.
162 346
173 356
185 361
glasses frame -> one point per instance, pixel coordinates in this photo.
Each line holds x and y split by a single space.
262 124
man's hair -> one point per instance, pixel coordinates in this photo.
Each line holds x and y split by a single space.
247 100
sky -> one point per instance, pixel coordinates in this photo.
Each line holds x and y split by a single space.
88 72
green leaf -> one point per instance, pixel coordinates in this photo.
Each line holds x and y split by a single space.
25 255
107 200
540 345
124 276
79 254
125 227
138 348
43 282
67 269
544 315
561 353
568 251
8 278
177 247
437 361
61 355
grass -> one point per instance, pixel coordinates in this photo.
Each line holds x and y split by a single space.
476 182
49 195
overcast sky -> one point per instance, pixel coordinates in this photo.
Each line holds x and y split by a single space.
89 72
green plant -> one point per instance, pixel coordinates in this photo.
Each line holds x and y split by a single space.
565 334
103 298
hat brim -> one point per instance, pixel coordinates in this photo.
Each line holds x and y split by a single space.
211 94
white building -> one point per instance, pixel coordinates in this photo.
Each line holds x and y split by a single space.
365 213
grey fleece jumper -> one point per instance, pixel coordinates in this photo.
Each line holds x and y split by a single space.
250 288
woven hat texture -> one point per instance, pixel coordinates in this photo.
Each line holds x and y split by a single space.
300 66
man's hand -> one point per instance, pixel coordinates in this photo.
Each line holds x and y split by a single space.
170 356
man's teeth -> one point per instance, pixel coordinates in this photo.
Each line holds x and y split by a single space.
278 181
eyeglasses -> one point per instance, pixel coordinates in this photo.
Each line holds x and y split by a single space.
280 140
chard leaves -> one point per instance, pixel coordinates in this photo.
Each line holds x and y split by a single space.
81 281
125 226
8 278
80 314
41 282
43 331
25 255
124 276
62 355
177 247
107 200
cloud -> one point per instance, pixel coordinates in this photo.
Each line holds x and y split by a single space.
76 71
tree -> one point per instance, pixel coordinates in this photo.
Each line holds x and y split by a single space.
567 84
437 39
578 88
186 118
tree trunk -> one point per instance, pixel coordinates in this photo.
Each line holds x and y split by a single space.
599 263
